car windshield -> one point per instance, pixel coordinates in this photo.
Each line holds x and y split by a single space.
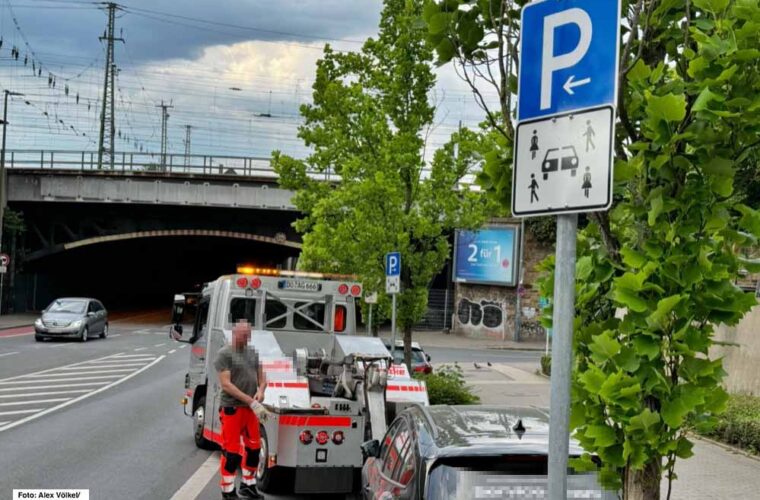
398 355
67 306
505 477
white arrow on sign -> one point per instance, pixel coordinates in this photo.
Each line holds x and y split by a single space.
569 84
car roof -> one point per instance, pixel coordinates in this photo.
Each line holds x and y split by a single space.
485 430
400 343
74 298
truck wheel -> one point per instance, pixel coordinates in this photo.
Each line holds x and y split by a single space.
199 415
263 473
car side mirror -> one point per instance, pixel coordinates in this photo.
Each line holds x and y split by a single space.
371 448
175 333
427 356
90 314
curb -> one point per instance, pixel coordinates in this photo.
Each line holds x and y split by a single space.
15 325
726 447
506 348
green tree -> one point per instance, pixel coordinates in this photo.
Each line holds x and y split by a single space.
368 125
655 274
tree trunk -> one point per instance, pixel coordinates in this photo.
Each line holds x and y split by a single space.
408 347
643 484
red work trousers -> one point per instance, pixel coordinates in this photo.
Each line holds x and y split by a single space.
240 445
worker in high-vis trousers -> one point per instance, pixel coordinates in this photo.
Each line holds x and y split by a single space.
242 382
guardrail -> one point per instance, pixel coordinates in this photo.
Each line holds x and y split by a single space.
124 162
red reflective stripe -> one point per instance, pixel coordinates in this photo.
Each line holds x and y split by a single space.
289 385
277 363
406 388
212 436
198 350
320 421
189 392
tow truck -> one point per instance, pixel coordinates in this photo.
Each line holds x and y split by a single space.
327 389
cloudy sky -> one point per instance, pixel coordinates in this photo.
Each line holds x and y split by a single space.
223 65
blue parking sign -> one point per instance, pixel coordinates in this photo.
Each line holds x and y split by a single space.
393 264
569 56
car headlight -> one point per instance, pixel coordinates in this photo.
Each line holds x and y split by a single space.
76 324
38 323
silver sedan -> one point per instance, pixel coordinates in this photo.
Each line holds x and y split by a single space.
72 317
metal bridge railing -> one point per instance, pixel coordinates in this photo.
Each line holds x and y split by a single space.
124 162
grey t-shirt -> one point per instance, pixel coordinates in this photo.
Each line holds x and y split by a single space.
244 372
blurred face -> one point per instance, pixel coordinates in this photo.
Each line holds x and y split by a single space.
241 333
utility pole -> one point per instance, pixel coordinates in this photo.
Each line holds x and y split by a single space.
4 181
164 121
187 144
107 115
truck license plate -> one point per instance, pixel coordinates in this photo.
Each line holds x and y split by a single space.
306 286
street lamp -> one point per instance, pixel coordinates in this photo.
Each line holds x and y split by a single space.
4 180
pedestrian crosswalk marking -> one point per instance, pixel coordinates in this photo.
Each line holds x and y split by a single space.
94 376
47 393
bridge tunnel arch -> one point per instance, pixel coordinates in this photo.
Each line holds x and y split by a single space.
144 269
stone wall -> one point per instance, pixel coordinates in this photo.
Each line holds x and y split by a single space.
741 362
485 311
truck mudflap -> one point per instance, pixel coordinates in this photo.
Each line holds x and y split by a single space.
214 437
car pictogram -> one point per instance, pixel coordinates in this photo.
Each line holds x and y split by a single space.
556 159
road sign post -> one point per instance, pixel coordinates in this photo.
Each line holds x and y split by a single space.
5 259
371 299
392 287
563 160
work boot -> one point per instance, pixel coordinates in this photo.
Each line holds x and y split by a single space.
249 491
232 495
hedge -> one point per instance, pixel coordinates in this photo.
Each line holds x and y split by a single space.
446 386
740 424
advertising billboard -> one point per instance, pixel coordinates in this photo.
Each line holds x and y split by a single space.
486 256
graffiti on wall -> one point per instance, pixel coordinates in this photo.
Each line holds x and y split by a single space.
485 313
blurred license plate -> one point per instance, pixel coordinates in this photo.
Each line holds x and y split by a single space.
306 286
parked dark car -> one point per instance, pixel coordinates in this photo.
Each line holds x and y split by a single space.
420 360
452 452
72 317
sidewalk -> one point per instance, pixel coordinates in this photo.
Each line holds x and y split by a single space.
441 339
713 473
16 320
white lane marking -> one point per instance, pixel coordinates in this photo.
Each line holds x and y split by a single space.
6 389
140 348
48 393
60 345
198 481
46 380
56 368
79 398
3 423
81 372
8 353
128 357
39 401
159 345
183 346
115 335
17 412
93 367
172 351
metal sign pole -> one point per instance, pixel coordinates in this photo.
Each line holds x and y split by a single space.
562 355
369 323
393 328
